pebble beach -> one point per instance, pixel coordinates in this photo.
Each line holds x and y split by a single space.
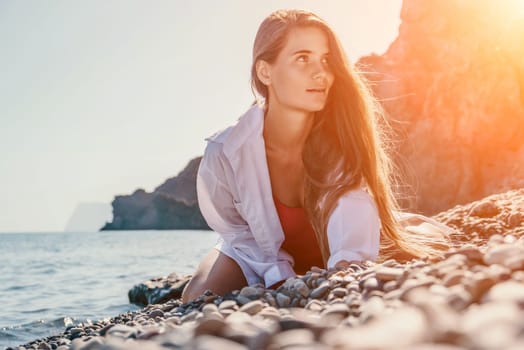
473 298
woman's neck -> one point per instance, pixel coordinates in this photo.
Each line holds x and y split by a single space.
286 131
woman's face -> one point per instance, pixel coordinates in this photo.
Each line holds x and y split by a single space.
300 77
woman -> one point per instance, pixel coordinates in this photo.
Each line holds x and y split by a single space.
302 179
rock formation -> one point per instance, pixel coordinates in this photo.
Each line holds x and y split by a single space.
172 205
158 290
452 85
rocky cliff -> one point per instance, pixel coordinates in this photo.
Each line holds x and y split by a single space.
452 85
172 205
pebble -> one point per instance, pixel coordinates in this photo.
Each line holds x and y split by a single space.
339 292
283 300
500 253
156 313
516 263
338 308
453 278
252 307
386 273
484 209
370 284
242 300
269 313
121 331
320 291
209 309
371 308
512 291
76 330
249 292
228 304
210 326
473 298
301 287
44 346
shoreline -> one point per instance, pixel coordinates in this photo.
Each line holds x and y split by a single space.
474 298
471 299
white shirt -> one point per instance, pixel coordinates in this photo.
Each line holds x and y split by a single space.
235 198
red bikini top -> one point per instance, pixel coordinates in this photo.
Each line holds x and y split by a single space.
300 240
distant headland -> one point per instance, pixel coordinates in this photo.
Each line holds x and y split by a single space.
171 206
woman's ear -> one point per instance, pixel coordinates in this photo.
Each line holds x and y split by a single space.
263 72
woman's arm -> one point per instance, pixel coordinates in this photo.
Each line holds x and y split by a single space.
353 229
219 208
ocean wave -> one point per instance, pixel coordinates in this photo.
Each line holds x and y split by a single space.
17 334
34 311
50 277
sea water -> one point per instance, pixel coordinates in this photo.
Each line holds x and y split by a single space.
47 279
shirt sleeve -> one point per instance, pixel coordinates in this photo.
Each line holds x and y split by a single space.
354 228
220 209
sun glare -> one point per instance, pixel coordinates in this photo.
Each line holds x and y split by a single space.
507 9
519 9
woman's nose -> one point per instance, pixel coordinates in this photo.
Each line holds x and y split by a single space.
320 70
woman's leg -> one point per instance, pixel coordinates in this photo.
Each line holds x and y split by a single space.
216 272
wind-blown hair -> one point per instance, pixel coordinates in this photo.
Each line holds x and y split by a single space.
346 147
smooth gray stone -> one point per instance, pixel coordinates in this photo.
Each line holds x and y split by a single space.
283 300
242 300
249 292
156 313
301 288
320 291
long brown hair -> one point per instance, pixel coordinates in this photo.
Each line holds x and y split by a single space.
347 147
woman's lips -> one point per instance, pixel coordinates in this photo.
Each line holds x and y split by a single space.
318 91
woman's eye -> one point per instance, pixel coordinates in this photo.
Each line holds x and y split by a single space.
302 58
325 60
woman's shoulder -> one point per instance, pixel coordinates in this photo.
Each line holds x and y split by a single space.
221 135
246 124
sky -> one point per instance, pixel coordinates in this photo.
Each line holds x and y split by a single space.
99 98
